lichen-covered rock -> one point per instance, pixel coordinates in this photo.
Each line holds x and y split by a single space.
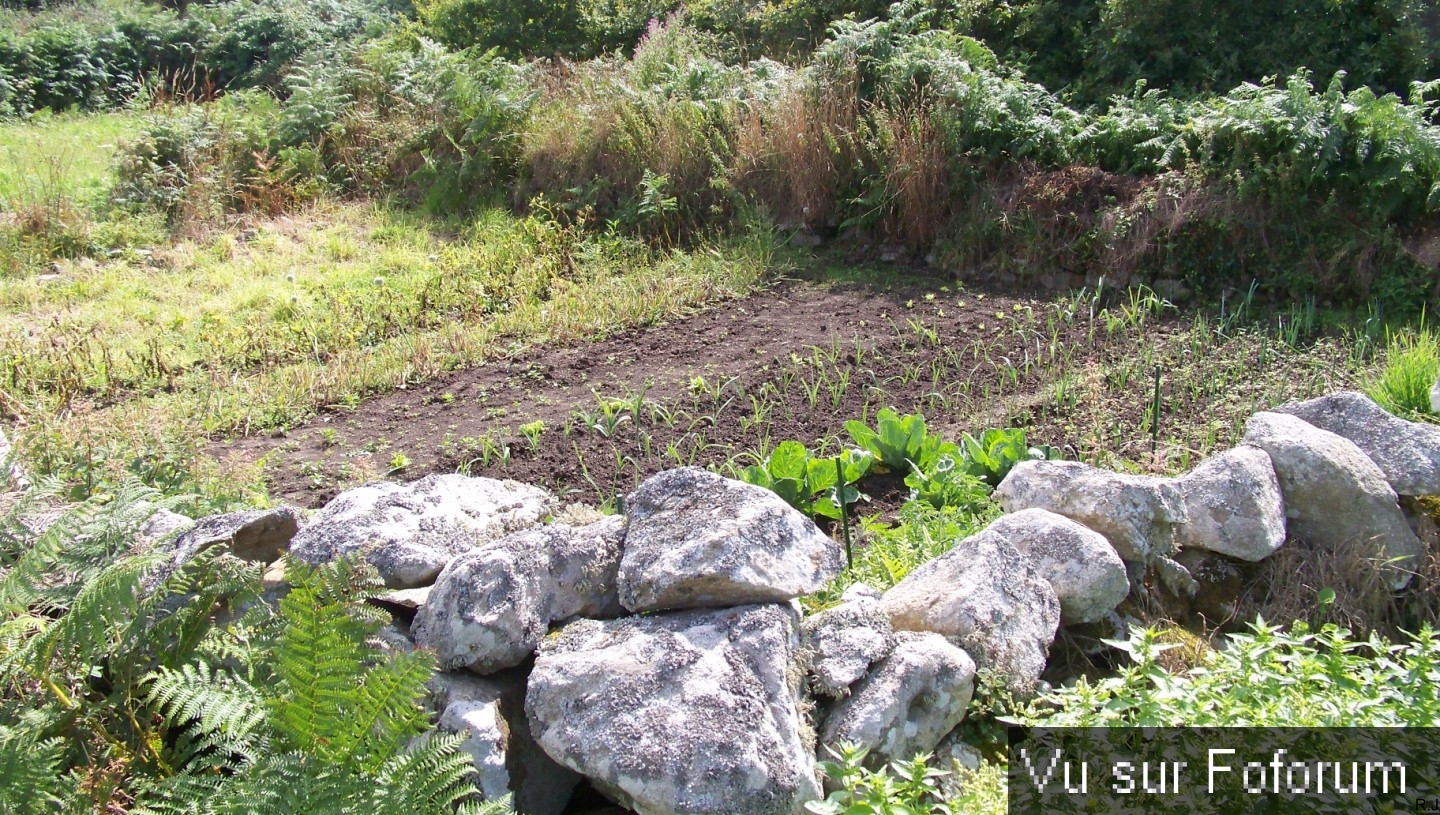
490 608
161 525
1233 505
1407 452
257 535
1334 494
490 714
843 642
470 706
987 598
698 540
1137 514
1088 577
411 531
686 712
908 703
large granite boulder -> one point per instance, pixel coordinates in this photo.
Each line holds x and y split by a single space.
986 598
908 703
1137 514
687 712
841 643
1334 494
1407 452
411 531
1088 577
490 608
699 540
1233 505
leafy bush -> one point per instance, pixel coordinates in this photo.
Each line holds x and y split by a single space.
904 786
105 59
809 483
1267 678
1091 50
945 483
900 443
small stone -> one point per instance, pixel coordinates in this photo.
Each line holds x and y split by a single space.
1408 453
908 703
409 532
684 713
986 598
1233 505
1334 494
490 608
843 642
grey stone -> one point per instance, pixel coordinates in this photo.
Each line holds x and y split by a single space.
1407 452
1233 505
843 642
986 598
1088 577
1137 514
1334 494
162 525
686 712
908 703
698 540
490 713
490 608
257 535
856 591
410 531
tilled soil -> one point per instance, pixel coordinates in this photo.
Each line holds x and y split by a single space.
794 362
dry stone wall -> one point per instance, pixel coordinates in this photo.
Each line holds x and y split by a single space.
663 656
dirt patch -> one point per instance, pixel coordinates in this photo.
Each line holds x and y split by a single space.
795 362
591 420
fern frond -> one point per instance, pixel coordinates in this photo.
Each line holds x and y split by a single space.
223 714
104 607
30 779
321 656
432 776
386 715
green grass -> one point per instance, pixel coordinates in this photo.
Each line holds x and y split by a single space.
68 155
1412 363
135 362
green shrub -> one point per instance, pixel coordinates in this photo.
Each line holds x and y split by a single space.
1267 678
515 29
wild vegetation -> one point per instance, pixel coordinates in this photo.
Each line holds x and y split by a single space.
238 239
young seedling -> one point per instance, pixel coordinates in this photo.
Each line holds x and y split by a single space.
531 431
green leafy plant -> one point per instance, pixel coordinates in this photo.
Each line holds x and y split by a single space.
810 483
991 456
1268 677
947 484
900 443
531 431
903 788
